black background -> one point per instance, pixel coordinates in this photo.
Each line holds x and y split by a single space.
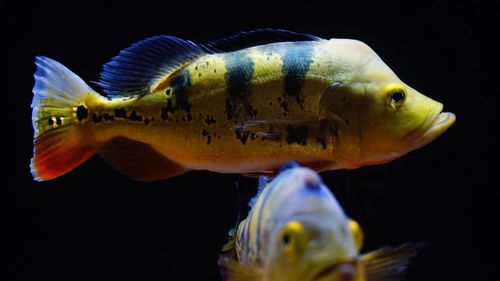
95 223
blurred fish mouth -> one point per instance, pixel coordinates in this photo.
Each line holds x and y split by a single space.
343 272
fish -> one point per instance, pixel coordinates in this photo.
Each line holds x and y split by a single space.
242 104
297 231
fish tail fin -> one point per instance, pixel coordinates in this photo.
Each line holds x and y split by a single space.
59 116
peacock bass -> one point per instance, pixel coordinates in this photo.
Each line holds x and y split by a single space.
243 104
297 231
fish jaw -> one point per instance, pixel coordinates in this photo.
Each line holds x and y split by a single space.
345 271
436 123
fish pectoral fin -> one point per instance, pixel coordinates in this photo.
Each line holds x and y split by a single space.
139 160
232 270
388 263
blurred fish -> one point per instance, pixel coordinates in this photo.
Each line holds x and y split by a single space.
297 231
243 104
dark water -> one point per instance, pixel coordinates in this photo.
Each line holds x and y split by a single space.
94 223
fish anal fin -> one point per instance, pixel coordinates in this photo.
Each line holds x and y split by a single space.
139 160
389 264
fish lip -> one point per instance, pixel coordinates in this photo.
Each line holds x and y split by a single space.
332 268
436 126
436 123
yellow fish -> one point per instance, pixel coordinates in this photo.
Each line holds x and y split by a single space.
297 231
230 107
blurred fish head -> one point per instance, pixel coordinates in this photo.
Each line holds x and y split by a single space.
312 239
377 117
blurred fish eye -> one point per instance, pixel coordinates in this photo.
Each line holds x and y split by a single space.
396 97
286 239
290 233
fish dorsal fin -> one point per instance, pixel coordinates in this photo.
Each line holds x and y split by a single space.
389 264
139 160
247 39
138 68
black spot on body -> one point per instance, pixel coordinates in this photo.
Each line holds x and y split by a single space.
297 134
164 114
51 122
81 113
134 117
242 136
121 113
209 120
168 92
58 121
296 62
146 121
96 118
284 105
108 117
205 133
189 117
167 110
321 141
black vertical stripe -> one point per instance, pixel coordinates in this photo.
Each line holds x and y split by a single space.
239 72
296 61
180 85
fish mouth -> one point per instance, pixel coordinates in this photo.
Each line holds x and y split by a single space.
434 125
345 272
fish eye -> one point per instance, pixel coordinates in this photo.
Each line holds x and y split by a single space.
290 233
397 97
286 239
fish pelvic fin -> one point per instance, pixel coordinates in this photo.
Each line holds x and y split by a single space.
388 263
59 114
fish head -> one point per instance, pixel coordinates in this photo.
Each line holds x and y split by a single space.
377 117
311 238
314 248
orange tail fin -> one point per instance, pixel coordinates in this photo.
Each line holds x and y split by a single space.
58 120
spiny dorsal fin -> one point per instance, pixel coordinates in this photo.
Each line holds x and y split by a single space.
389 264
247 39
137 68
